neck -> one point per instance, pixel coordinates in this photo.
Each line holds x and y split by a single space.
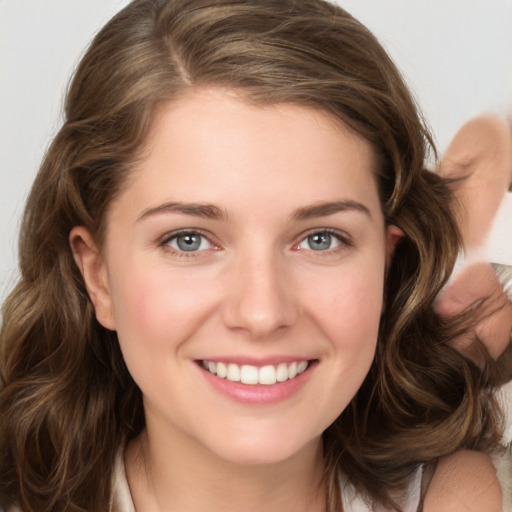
179 475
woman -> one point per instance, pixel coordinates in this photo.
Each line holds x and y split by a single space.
229 259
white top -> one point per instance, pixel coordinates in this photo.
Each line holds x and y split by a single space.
121 495
353 502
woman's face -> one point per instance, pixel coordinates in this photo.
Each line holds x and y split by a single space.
248 244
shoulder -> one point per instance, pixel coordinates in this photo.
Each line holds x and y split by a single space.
464 481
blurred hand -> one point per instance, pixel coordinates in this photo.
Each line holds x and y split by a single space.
477 290
481 156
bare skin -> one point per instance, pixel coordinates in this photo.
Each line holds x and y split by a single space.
464 482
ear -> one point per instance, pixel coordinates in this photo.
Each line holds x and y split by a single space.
393 235
92 267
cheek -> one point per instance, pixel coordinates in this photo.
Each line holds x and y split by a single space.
350 308
348 314
155 307
354 333
156 314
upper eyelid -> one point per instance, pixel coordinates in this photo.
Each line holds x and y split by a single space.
167 237
342 235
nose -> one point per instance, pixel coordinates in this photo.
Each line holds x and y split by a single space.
260 300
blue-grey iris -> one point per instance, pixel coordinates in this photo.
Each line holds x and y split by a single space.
189 242
320 241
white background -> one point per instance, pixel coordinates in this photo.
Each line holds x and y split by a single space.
455 54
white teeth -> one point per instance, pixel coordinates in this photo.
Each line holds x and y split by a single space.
302 366
233 372
267 375
222 370
282 372
249 374
253 375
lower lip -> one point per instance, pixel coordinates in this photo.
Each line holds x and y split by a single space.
259 394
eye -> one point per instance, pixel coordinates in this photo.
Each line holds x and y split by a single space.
322 241
189 241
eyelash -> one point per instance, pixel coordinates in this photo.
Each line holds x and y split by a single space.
169 237
344 241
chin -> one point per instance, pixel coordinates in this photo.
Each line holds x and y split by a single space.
265 449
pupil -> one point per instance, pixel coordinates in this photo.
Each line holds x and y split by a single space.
320 241
189 242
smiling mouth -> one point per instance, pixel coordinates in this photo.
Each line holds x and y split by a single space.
254 375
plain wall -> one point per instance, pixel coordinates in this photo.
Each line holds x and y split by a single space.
455 54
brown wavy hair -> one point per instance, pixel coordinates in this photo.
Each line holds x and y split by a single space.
68 403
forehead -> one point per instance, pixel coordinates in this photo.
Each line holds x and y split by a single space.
211 145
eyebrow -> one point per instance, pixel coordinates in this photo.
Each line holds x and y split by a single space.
330 208
206 211
210 211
